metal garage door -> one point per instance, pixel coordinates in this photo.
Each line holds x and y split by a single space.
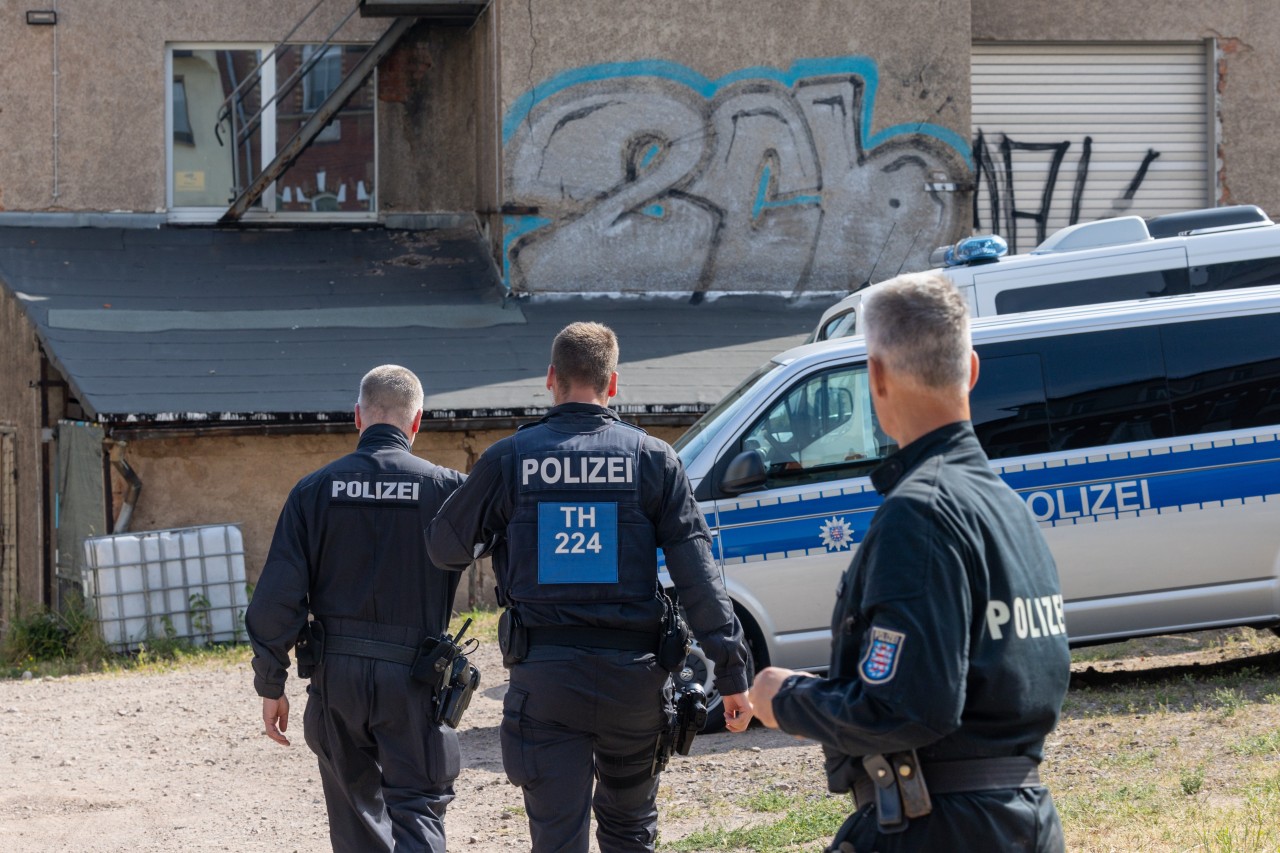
1067 133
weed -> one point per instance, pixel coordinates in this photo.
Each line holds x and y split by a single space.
198 610
1263 744
69 639
768 800
1229 700
1192 781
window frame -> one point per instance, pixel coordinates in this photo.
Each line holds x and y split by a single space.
267 148
805 477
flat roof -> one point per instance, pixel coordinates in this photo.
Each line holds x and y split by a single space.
233 326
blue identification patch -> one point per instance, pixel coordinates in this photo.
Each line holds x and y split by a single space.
577 543
880 662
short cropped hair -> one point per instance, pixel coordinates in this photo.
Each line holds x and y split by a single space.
918 325
585 354
390 394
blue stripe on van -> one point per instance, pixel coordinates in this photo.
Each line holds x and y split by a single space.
1102 485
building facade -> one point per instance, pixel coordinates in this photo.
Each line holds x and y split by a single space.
665 148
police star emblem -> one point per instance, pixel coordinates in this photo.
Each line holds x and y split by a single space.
880 661
836 534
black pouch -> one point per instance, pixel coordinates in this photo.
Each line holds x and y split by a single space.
431 666
673 647
513 637
308 649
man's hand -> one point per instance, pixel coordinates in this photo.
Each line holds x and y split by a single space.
765 687
737 712
275 712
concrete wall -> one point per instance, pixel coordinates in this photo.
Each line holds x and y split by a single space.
730 144
20 409
1248 38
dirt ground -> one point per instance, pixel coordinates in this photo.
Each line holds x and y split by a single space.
176 761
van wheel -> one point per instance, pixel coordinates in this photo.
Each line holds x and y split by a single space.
698 669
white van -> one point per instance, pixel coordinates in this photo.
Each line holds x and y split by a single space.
1109 260
1142 435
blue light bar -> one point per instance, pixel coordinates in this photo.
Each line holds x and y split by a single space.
976 250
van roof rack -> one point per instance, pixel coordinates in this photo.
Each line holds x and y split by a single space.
1176 224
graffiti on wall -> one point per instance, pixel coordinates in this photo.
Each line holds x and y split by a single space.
994 176
648 176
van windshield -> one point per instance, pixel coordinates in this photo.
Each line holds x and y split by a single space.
707 427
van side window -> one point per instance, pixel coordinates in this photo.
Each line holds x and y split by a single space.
1223 374
824 428
840 326
1089 291
1105 388
1008 406
1099 388
1236 274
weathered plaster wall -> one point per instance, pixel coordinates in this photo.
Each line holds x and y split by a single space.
436 95
220 479
730 144
111 95
20 409
1248 36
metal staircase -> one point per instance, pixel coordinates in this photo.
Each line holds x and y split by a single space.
249 188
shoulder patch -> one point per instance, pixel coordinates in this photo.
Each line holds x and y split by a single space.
880 661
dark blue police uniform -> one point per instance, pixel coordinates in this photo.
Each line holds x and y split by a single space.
578 504
350 548
948 640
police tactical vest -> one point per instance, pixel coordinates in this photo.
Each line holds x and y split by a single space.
578 532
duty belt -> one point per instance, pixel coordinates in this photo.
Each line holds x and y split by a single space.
598 638
357 647
956 777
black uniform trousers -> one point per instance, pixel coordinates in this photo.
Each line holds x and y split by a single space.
387 768
570 714
1015 820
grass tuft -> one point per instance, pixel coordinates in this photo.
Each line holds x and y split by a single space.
807 819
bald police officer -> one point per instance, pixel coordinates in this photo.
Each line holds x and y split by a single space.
937 703
350 549
579 503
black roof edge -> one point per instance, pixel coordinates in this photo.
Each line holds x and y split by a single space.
191 424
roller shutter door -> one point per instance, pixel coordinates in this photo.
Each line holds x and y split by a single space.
1067 133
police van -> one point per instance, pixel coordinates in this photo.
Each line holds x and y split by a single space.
1144 437
1110 260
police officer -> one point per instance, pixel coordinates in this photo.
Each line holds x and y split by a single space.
350 548
949 662
579 503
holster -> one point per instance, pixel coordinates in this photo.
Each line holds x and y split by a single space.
673 647
900 790
513 638
686 717
464 678
308 649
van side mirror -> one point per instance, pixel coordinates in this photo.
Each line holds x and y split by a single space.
746 471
